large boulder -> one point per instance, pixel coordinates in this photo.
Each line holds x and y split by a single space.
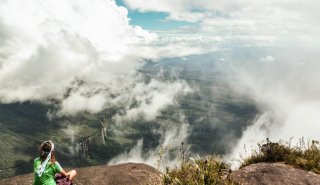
274 174
122 174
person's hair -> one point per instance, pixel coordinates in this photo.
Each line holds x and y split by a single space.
44 151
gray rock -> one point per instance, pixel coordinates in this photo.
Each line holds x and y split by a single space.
274 174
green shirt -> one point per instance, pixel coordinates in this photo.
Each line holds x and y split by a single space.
47 177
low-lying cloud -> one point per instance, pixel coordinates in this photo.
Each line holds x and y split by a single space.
285 89
172 135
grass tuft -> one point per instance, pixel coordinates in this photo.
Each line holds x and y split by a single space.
204 171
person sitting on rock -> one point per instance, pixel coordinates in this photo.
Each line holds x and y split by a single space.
46 167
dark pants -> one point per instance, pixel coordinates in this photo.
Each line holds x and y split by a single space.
62 180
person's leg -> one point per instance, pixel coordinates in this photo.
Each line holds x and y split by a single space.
72 174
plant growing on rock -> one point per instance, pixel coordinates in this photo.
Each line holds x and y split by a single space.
195 171
303 156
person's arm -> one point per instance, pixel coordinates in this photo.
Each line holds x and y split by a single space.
71 174
60 169
64 173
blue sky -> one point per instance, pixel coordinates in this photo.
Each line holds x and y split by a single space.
154 21
278 19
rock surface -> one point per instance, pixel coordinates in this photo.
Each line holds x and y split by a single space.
122 174
274 174
141 174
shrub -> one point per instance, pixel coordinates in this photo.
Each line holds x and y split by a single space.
305 157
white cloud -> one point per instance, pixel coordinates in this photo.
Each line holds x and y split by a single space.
71 132
150 99
287 95
50 43
236 24
246 17
77 102
172 135
83 54
267 59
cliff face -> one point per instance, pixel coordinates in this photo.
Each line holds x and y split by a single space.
128 173
274 174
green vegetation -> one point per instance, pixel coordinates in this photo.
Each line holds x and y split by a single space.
305 156
209 170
